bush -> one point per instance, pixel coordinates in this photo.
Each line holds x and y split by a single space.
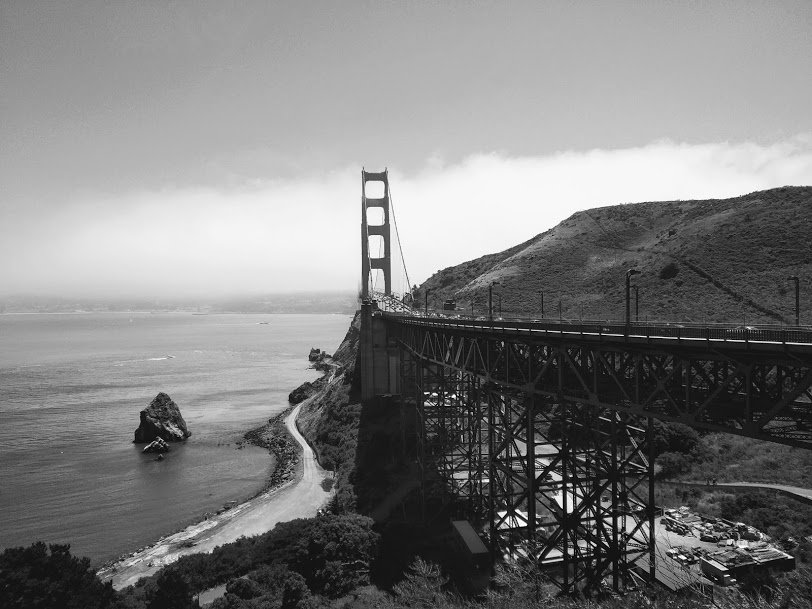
669 271
672 464
171 592
674 438
244 588
295 594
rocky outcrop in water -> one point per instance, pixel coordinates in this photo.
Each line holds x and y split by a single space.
158 445
161 419
320 360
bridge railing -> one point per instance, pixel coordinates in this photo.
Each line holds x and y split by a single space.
613 328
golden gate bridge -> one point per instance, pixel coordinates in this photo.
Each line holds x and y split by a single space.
542 430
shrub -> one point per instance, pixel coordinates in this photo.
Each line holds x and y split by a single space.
295 594
669 271
672 464
244 588
171 592
674 438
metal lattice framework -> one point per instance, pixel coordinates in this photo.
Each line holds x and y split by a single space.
544 433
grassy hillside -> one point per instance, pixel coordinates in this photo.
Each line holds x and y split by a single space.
717 260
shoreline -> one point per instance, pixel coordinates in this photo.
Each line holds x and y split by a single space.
210 520
277 437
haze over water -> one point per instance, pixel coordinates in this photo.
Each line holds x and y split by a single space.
72 386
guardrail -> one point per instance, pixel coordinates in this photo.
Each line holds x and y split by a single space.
801 335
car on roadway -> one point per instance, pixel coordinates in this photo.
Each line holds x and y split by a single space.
743 329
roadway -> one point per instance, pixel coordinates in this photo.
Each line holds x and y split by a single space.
725 337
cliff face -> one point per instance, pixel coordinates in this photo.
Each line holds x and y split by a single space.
161 419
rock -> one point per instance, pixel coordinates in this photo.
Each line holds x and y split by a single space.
314 354
301 393
158 445
161 419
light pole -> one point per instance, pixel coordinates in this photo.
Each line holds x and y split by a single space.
542 305
427 302
636 302
500 306
797 299
629 274
472 307
490 299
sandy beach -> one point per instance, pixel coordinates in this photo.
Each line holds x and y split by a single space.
300 497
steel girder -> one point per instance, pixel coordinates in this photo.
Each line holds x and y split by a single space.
560 425
562 483
763 395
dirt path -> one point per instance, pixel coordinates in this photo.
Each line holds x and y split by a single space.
299 498
803 494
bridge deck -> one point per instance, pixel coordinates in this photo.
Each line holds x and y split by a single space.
727 338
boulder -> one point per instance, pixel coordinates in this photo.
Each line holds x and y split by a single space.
161 419
301 393
314 354
158 445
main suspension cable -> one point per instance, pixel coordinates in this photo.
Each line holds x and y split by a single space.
397 234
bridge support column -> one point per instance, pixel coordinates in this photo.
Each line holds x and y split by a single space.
379 355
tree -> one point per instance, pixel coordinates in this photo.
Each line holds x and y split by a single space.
674 438
40 576
172 592
295 594
672 464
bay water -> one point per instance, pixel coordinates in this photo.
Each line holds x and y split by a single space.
72 386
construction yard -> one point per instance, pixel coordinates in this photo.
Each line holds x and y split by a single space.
692 549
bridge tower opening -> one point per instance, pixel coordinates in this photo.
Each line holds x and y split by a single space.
375 258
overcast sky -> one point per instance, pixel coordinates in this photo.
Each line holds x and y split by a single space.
177 148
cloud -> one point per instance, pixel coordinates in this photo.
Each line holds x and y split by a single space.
304 234
490 202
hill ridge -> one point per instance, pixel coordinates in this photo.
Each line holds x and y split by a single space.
715 260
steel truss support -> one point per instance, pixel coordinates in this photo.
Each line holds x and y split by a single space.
570 488
550 439
556 482
766 396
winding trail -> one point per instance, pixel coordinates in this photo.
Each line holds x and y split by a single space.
803 494
298 498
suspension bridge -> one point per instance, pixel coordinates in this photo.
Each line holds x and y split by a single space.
543 430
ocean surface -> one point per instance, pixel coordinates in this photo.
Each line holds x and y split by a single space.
72 387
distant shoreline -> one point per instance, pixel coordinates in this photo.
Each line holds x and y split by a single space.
172 311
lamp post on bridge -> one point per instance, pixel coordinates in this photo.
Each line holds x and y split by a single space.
797 298
500 305
542 304
636 303
629 274
427 303
490 299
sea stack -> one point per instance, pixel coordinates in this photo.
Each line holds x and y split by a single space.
161 419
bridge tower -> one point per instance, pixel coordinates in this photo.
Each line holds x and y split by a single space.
383 262
379 357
